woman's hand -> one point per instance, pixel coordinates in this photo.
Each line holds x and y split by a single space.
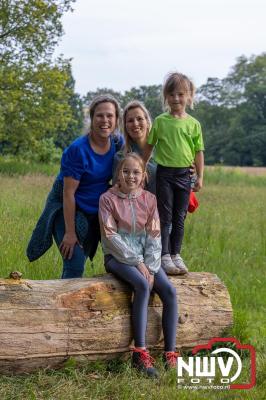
67 245
69 205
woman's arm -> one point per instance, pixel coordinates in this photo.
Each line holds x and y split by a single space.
69 206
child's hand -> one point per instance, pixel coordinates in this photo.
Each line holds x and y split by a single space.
198 184
151 280
144 271
192 170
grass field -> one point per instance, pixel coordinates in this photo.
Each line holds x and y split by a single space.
225 236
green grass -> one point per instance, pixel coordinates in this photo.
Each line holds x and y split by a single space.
226 236
11 166
235 177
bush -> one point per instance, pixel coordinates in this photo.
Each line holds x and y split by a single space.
43 151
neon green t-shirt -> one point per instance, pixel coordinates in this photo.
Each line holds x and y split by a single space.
176 140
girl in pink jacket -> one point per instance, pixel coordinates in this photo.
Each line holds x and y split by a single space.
131 241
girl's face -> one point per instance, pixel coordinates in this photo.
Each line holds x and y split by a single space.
177 100
136 124
104 120
130 176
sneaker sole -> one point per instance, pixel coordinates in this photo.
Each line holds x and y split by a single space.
182 272
171 271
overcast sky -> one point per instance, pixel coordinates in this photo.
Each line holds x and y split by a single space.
119 44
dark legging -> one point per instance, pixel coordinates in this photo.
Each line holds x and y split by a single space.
173 190
165 290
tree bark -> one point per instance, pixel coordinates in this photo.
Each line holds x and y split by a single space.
42 323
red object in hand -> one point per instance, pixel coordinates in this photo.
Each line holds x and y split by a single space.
193 202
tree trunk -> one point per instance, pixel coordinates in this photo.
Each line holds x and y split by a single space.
42 323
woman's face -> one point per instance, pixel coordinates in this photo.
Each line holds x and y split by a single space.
136 124
104 120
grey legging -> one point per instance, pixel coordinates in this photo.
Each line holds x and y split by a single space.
165 290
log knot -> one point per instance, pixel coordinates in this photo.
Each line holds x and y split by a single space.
16 275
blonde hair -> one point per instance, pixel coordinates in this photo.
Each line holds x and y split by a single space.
135 157
177 81
131 106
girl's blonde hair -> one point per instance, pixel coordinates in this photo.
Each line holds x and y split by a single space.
131 106
177 81
135 157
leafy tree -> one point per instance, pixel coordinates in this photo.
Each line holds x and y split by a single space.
212 92
33 103
64 137
149 95
246 85
34 97
233 114
30 29
215 122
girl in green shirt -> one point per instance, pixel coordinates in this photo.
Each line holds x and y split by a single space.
177 139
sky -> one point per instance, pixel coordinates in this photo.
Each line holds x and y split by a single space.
120 44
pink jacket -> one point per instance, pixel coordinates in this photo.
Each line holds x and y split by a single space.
130 227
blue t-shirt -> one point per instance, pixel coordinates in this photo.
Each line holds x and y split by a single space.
94 171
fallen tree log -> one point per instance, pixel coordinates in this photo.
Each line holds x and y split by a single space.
42 323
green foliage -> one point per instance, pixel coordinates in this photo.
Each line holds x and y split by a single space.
63 137
35 106
43 151
30 29
233 114
35 94
149 95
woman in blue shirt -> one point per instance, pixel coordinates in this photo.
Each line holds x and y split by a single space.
71 211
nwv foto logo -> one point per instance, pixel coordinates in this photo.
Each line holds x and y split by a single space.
223 362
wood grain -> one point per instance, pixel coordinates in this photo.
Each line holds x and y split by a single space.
42 323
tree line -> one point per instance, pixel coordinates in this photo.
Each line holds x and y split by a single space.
40 112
